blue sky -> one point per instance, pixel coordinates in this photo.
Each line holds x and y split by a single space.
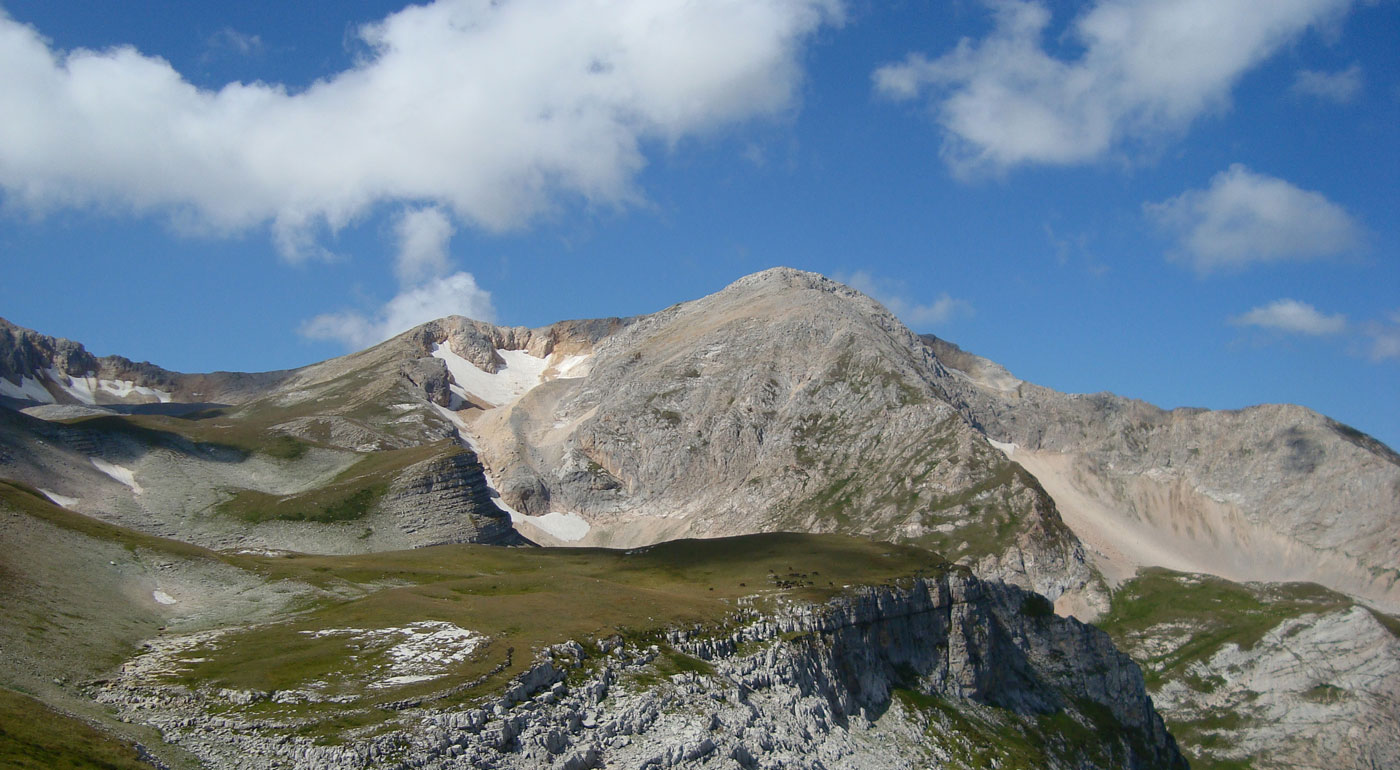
1192 202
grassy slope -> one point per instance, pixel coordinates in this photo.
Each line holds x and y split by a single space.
526 598
75 603
35 737
80 616
349 496
1203 614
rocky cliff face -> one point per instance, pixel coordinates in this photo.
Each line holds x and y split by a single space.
786 402
38 369
1271 492
880 678
446 500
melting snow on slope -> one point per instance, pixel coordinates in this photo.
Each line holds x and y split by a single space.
119 472
565 526
417 652
62 500
80 388
124 388
520 372
564 367
162 597
569 527
28 389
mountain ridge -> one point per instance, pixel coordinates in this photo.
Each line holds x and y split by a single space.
784 402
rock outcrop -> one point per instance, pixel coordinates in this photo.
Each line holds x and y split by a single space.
446 500
878 678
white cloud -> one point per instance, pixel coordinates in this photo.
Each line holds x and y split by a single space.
1244 218
423 237
426 289
1340 87
1289 315
496 111
1148 68
456 294
889 293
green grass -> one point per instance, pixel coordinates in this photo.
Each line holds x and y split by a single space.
1219 612
526 599
32 502
988 737
1207 613
349 496
35 737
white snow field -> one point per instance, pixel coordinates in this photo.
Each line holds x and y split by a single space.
119 472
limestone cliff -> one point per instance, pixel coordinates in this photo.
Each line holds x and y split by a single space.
939 672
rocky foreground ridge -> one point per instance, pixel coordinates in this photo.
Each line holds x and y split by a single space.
949 672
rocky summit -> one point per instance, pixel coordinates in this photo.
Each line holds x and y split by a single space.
771 527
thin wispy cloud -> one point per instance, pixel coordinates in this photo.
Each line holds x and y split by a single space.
494 111
1294 317
1340 87
230 41
892 294
1147 71
1383 338
1244 218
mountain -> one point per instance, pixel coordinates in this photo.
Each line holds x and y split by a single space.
786 403
1272 493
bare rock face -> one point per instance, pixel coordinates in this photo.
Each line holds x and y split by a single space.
446 500
786 402
63 372
1273 492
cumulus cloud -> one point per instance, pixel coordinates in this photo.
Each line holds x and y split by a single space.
1244 217
424 235
1290 315
890 293
428 288
1340 87
495 111
1147 69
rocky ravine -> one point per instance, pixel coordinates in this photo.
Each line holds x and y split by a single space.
950 672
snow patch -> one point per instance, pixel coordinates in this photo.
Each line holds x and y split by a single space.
571 367
80 388
119 472
28 389
62 500
125 388
162 597
517 376
569 527
1007 449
